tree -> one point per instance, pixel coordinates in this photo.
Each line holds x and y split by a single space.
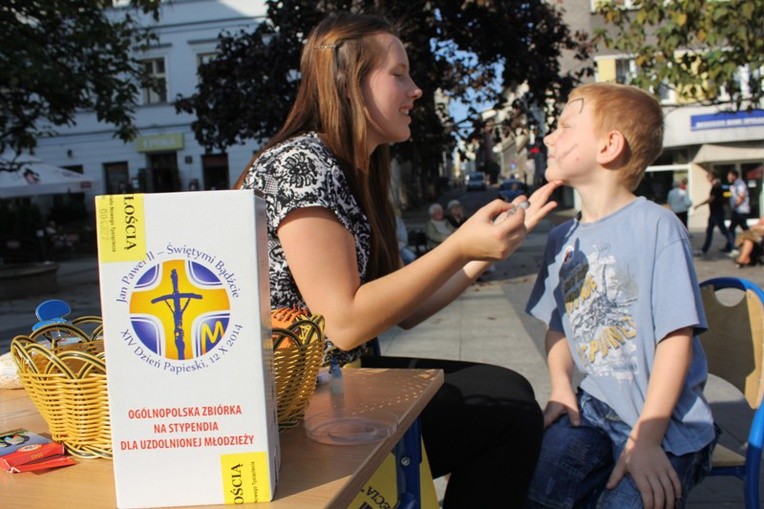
696 47
61 56
460 48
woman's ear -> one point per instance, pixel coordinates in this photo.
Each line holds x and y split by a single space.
612 146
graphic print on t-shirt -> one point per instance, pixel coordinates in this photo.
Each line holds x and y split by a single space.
598 296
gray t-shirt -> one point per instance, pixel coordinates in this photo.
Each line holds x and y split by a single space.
615 288
739 188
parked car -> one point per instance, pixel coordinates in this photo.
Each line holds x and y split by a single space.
476 181
510 189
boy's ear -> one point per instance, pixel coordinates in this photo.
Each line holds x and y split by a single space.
612 146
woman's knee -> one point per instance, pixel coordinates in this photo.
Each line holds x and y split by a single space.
492 382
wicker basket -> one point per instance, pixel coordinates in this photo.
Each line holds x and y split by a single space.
62 369
298 344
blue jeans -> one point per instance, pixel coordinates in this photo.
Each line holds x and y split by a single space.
716 220
576 463
738 219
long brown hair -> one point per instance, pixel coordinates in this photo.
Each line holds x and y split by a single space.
336 59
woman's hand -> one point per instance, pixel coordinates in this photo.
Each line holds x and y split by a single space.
491 233
498 229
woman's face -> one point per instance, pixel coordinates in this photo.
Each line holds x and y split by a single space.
389 94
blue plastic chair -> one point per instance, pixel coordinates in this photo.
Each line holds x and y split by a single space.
734 345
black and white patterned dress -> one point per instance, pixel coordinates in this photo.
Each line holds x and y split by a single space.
302 172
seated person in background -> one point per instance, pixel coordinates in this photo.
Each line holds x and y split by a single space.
636 432
438 229
679 200
407 255
749 243
455 214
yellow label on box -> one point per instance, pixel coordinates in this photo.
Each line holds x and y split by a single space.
121 228
245 477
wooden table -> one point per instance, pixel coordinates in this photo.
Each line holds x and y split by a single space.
312 474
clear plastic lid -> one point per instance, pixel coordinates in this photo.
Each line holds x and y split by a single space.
344 426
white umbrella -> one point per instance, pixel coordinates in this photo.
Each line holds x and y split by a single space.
35 177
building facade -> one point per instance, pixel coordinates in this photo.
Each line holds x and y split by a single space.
165 156
698 139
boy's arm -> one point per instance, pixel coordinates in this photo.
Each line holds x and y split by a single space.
562 399
643 457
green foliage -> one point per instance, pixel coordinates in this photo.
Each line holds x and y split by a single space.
474 48
61 56
696 47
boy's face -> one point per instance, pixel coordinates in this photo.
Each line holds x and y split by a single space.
572 147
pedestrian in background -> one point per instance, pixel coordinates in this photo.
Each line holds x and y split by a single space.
740 205
437 228
750 245
679 200
455 214
402 234
715 202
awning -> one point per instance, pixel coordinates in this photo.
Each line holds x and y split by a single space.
755 173
711 153
35 178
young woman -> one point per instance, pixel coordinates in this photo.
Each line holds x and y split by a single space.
333 249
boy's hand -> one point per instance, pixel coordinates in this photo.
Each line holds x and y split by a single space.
560 404
651 471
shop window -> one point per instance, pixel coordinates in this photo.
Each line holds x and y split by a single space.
163 172
203 58
215 168
616 70
116 178
655 186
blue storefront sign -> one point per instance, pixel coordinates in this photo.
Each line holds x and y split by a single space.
727 120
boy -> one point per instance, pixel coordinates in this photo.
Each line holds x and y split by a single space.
619 294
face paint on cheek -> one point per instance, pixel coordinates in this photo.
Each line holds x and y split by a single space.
565 154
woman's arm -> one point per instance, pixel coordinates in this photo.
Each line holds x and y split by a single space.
539 207
321 255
